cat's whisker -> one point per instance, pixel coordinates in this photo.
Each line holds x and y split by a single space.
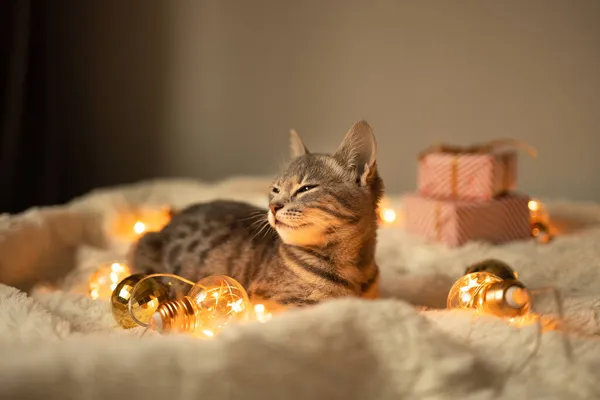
262 229
254 215
258 224
258 221
267 231
263 232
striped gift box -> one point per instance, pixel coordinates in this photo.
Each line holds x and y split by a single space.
455 222
474 176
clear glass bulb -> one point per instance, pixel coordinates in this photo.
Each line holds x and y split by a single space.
221 300
213 303
466 292
490 294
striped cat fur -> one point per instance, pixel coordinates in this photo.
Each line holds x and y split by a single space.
315 242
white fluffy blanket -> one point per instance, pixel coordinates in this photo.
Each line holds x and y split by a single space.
55 342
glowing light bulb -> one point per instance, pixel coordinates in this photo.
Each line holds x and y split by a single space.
131 224
139 227
106 278
265 310
538 212
388 215
385 212
533 205
488 293
261 313
213 303
540 222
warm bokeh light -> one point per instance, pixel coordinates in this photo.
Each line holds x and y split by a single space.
265 310
130 225
541 228
388 215
533 205
139 227
538 212
106 279
261 313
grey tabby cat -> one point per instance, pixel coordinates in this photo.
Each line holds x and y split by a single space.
320 239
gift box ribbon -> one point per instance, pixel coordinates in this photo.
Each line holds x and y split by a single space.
484 148
438 221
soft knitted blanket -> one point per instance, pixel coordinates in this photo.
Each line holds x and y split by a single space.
56 342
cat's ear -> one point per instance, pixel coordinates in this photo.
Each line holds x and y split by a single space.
297 147
358 152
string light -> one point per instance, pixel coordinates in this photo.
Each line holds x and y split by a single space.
152 220
388 215
385 212
492 287
537 211
488 293
131 225
540 221
106 278
212 303
265 310
139 227
261 313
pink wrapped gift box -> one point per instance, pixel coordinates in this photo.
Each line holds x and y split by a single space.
469 176
455 222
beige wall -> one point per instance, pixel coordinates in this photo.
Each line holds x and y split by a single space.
212 88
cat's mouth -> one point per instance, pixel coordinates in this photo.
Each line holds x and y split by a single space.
279 224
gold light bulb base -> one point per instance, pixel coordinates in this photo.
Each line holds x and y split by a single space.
175 316
507 298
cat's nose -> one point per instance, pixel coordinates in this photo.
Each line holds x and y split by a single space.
275 207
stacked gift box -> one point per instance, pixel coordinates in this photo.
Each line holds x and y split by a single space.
468 194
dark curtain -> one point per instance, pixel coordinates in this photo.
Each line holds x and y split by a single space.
30 144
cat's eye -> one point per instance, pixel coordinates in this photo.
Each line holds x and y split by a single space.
275 190
306 188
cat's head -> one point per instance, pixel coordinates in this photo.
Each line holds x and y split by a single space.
320 197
